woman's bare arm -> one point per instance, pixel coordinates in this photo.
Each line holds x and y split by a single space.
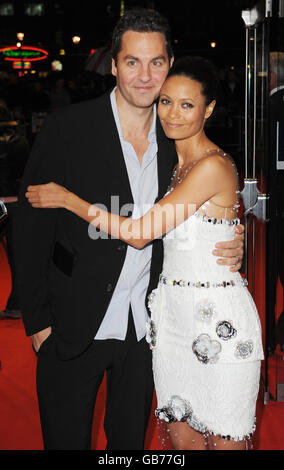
209 177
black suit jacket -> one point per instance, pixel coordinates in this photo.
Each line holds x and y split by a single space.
67 277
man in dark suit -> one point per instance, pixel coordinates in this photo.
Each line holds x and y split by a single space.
83 296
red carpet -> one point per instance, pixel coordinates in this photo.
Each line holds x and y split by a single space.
19 417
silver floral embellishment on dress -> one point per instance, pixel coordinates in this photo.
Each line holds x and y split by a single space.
177 409
206 350
196 424
152 300
151 333
225 330
244 349
151 297
205 310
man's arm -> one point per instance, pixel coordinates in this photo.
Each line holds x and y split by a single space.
35 232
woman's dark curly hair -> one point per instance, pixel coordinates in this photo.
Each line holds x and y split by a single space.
202 71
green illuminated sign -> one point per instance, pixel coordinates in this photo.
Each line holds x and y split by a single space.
19 53
24 52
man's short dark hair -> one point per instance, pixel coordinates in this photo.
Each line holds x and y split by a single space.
141 20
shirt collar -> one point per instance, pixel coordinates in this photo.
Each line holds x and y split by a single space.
152 137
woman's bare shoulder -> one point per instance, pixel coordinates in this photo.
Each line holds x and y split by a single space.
216 163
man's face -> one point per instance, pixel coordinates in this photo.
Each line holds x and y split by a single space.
142 66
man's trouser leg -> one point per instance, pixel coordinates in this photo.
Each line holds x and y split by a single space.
67 392
129 393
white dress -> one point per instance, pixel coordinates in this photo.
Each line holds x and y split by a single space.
205 335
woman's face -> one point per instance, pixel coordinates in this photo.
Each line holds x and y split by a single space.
182 108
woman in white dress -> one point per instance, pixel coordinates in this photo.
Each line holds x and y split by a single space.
204 329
